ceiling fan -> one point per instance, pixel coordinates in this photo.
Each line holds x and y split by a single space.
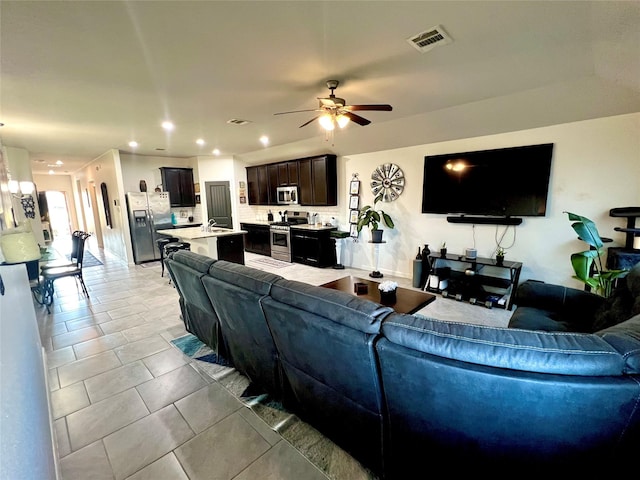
334 110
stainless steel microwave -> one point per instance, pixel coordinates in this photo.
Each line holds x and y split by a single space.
287 195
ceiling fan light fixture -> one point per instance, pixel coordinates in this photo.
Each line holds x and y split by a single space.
326 121
342 120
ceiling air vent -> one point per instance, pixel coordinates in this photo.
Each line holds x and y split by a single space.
429 39
235 121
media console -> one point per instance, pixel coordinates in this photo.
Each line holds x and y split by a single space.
480 281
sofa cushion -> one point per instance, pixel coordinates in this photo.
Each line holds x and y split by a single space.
515 349
623 303
529 318
236 291
340 307
625 338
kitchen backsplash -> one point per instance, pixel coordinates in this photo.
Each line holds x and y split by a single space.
325 214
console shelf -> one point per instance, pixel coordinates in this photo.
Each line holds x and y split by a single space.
469 278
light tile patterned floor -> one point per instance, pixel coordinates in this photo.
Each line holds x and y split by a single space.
127 404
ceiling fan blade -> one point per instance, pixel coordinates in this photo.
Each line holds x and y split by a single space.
357 118
297 111
307 123
380 107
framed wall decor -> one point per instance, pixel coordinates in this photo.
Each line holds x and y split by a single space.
197 198
353 231
353 202
354 187
353 216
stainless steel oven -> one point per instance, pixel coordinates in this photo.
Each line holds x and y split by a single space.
280 234
280 242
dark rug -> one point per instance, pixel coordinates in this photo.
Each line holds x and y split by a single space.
89 260
318 449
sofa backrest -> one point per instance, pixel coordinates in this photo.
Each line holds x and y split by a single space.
186 270
326 339
476 394
235 291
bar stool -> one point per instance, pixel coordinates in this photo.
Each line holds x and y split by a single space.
161 242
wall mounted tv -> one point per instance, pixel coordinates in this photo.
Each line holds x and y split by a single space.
505 182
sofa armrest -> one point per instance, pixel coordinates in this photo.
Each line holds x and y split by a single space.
557 298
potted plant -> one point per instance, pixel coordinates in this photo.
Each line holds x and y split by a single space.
588 265
388 291
443 250
371 218
500 255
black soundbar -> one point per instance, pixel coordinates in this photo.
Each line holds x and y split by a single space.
486 220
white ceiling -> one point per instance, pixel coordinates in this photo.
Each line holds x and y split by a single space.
81 77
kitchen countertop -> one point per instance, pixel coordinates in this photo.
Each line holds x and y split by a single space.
315 228
192 233
304 226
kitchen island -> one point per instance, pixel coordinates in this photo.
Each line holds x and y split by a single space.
218 243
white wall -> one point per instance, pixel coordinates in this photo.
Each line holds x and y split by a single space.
595 167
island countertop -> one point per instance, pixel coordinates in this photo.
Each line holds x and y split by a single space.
193 233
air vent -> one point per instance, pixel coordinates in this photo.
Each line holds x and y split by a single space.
430 39
235 121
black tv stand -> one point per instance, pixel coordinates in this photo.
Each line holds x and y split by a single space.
485 220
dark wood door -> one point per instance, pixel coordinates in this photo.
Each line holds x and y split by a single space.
219 203
263 186
272 174
252 183
306 182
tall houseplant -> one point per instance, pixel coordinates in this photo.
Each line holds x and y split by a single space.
588 265
371 218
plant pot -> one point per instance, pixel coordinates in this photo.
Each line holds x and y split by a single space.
376 236
499 259
443 252
388 298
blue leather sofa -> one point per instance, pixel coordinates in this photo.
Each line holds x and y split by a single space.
406 393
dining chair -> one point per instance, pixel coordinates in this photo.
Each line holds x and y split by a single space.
45 292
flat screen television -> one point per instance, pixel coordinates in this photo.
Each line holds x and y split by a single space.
505 182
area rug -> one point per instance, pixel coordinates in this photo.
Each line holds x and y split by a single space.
271 262
89 260
318 449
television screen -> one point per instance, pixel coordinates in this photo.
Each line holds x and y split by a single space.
504 182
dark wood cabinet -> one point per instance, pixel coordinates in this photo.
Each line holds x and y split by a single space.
179 183
311 247
257 239
316 178
318 181
231 248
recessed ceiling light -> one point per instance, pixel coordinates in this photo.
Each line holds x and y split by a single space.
264 140
51 172
59 162
215 151
133 144
200 141
167 125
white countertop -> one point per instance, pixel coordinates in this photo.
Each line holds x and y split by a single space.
192 233
308 226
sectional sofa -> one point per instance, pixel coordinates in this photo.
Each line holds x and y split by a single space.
406 393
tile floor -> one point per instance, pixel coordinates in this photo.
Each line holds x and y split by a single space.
127 404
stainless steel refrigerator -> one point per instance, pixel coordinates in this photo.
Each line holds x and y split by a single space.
148 212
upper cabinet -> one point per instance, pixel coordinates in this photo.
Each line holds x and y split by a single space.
179 183
316 178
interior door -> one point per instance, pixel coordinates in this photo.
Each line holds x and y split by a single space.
219 203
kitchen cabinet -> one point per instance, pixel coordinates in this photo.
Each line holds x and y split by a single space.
313 247
257 240
316 178
318 181
231 248
179 183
